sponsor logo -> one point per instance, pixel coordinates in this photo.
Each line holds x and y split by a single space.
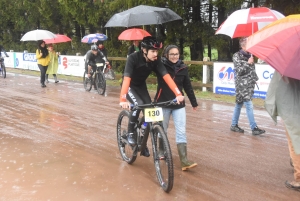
261 17
29 57
226 73
65 62
267 75
70 62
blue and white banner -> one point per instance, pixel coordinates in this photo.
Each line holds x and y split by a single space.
223 82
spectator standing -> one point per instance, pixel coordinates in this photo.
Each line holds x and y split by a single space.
43 59
53 65
135 47
245 80
179 73
101 47
283 98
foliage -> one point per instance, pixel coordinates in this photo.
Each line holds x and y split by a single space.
77 18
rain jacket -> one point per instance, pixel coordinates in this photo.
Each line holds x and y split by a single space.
44 61
283 99
179 73
53 65
245 77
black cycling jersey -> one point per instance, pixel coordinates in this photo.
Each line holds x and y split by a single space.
138 69
91 59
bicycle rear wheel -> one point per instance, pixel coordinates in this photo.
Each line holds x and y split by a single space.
163 164
87 82
128 153
100 83
3 71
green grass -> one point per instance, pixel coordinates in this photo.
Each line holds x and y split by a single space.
214 54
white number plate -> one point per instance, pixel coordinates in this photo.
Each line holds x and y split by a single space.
99 64
153 114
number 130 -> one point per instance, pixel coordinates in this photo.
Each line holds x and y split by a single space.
154 113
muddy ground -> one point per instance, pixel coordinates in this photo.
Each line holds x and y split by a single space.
59 143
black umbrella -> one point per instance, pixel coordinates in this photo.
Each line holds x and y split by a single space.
142 15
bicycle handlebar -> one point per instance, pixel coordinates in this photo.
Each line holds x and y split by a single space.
153 104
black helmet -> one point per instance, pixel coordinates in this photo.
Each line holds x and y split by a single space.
94 47
150 42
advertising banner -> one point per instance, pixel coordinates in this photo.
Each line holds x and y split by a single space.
9 61
223 82
71 65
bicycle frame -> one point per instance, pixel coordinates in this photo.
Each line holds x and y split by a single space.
142 145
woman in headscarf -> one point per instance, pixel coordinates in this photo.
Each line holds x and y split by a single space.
43 59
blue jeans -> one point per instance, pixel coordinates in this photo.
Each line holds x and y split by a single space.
179 118
249 111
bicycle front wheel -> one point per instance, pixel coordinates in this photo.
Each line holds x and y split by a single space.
87 82
127 152
3 71
100 83
162 156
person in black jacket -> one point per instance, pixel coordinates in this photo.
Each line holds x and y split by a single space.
179 72
102 48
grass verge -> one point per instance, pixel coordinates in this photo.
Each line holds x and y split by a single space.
206 95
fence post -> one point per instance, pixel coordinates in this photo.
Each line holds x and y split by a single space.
205 76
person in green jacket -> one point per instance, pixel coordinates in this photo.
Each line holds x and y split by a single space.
53 65
43 59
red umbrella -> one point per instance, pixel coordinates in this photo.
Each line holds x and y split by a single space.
245 22
58 39
278 45
133 34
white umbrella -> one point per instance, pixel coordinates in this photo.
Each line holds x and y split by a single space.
38 34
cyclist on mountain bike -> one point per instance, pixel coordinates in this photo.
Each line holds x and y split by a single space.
91 57
138 67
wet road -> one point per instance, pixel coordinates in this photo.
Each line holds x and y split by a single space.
59 143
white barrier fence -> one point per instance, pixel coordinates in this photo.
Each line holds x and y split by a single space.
223 79
67 65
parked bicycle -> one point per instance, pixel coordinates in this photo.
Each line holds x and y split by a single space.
2 68
97 79
162 156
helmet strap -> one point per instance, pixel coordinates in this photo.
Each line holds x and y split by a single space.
146 54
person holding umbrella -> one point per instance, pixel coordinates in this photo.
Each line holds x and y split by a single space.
138 67
53 65
43 59
101 48
245 80
282 100
135 47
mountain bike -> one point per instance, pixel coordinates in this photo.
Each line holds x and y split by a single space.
97 79
2 68
162 155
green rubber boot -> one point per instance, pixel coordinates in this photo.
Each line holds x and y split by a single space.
182 151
